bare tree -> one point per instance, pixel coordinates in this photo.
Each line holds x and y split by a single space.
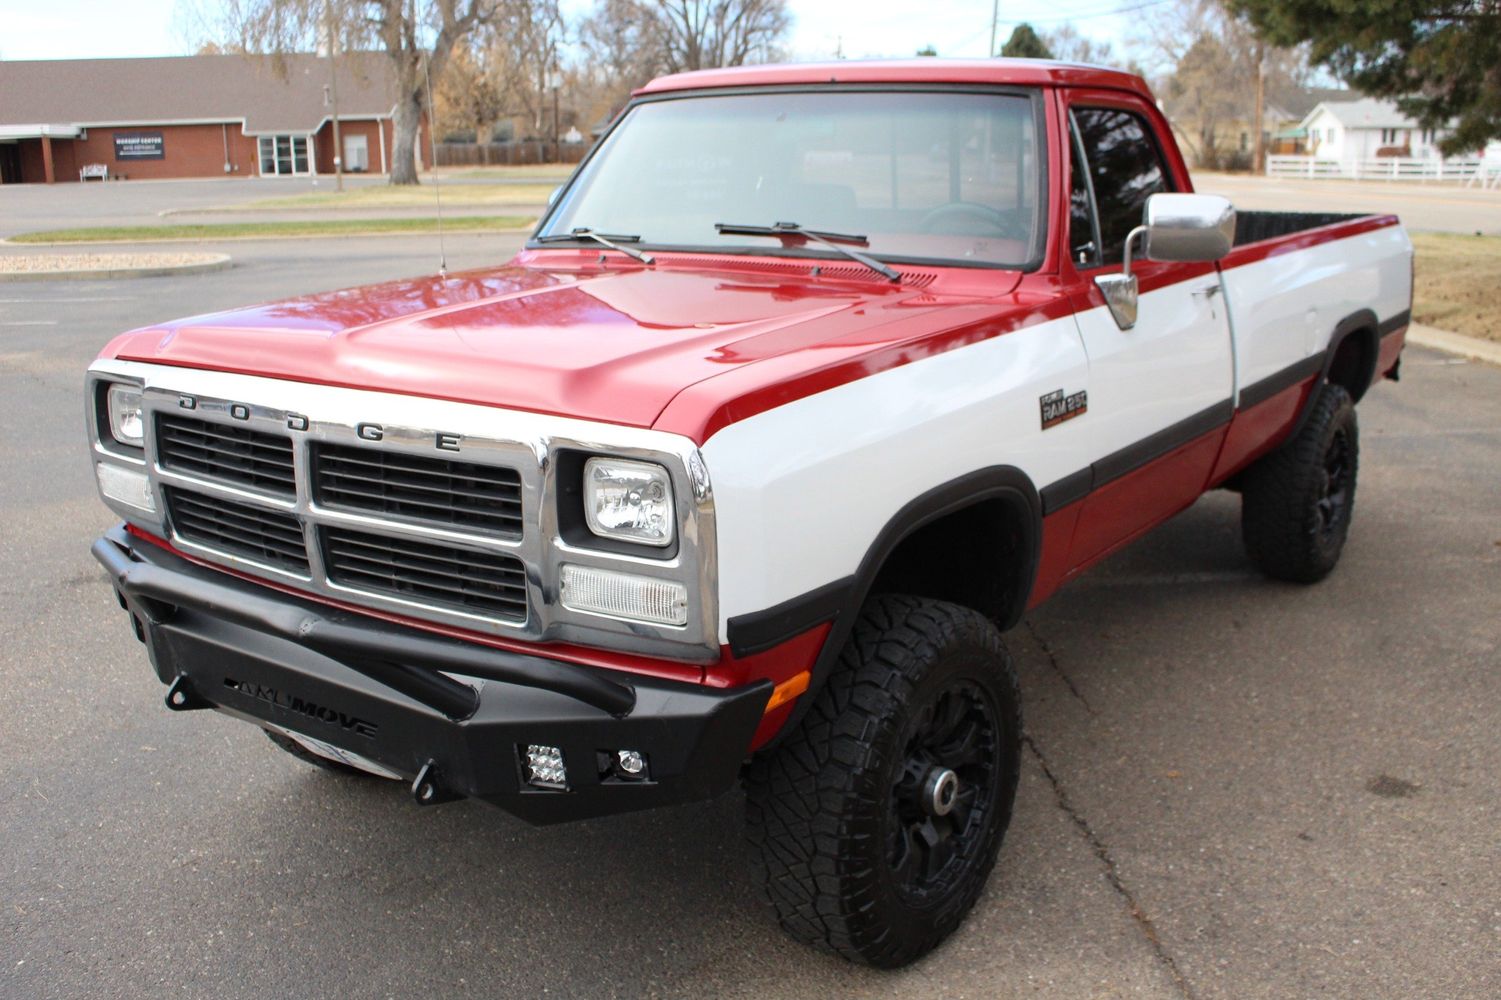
702 34
399 27
623 42
1204 63
1069 44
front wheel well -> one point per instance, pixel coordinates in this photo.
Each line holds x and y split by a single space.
981 556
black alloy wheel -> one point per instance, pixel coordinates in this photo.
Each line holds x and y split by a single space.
875 823
945 791
1297 502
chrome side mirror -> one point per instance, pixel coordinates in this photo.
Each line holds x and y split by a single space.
1188 227
1179 228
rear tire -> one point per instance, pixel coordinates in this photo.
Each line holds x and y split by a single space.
876 822
1297 502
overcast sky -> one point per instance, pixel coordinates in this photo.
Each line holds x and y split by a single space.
71 29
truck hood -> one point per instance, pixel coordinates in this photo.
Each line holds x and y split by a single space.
609 345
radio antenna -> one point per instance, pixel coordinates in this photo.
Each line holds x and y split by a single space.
432 137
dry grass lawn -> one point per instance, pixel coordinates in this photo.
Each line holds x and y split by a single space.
1458 286
420 196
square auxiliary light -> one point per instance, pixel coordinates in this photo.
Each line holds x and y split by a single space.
544 767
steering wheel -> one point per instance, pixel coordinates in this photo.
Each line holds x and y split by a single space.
968 218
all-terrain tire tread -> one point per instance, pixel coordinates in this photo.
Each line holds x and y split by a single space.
1277 495
797 796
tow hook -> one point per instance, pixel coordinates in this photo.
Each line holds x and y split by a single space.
428 790
182 698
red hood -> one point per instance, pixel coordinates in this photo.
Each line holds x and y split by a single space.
610 345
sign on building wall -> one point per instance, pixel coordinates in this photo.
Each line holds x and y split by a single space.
139 146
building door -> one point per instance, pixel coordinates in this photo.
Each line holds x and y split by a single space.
284 155
357 153
10 163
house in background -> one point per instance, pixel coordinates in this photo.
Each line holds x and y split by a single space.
194 116
1366 129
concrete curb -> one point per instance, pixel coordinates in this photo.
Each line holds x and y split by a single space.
1454 343
220 262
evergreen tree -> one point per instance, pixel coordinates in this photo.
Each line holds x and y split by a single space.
1024 44
1440 60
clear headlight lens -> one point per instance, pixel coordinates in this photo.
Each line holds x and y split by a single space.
629 501
126 422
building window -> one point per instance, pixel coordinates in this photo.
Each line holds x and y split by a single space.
284 155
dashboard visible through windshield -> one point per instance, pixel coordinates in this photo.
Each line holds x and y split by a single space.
924 176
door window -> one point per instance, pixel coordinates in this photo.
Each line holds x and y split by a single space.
1125 169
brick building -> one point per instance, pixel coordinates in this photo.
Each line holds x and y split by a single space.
194 116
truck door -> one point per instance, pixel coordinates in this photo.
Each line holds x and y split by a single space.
1159 391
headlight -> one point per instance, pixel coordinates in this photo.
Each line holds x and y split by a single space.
629 501
126 422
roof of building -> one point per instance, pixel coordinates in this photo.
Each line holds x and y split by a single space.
1022 72
1298 103
1366 112
194 89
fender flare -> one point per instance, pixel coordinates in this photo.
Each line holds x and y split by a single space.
840 601
1363 324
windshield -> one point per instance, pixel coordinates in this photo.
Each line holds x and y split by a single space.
923 175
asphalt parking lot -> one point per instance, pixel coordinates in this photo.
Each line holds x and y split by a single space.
1232 788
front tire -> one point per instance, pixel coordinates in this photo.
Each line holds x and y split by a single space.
1297 502
876 822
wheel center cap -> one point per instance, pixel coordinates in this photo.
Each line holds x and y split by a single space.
940 791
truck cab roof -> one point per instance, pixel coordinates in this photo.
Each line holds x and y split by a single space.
990 72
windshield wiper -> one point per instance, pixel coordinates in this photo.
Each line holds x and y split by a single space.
833 241
610 240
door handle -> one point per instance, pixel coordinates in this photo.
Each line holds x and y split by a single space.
1208 292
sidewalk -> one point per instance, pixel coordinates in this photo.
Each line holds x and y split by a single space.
1454 343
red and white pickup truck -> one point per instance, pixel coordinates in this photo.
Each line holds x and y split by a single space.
812 381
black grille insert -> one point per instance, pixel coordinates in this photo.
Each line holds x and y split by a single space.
224 452
267 536
434 490
487 583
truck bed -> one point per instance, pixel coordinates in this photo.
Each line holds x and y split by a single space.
1254 227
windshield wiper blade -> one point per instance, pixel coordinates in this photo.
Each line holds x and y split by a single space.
834 241
610 240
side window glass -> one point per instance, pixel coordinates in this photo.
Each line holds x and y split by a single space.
1125 167
1083 241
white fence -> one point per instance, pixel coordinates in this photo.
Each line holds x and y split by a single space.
1392 168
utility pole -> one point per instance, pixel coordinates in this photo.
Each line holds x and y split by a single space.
333 87
1258 151
995 16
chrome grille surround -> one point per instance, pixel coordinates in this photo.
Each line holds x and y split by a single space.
408 425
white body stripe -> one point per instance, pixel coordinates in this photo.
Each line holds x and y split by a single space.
802 491
1286 307
1174 363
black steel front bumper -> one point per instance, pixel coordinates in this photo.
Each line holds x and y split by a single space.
389 693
